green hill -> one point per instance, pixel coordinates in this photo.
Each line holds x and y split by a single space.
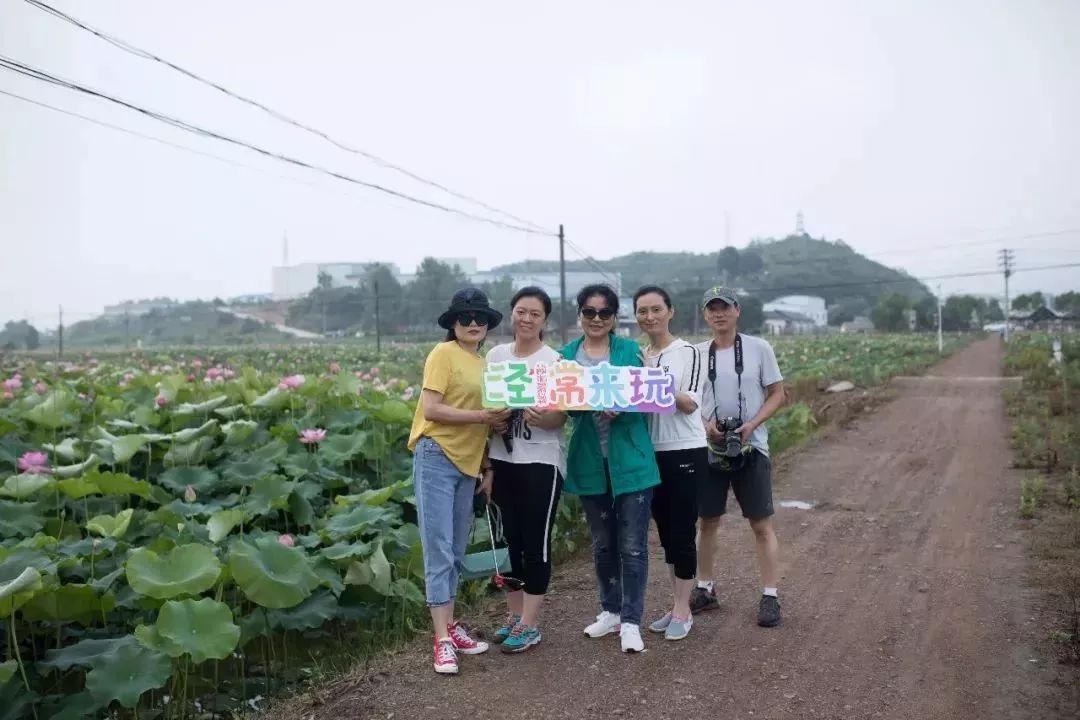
191 323
767 269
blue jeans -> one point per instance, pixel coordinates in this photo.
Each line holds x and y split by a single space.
444 507
620 537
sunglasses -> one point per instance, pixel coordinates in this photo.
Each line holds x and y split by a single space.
468 318
592 313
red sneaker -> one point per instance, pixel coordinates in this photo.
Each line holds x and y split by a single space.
445 657
463 643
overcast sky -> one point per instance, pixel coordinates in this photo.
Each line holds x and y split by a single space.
899 127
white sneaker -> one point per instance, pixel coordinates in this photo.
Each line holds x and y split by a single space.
631 638
606 623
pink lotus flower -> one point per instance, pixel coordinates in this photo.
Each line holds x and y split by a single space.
359 374
189 494
375 370
228 373
161 401
408 394
335 368
196 363
291 381
191 378
13 383
40 388
8 394
312 435
286 540
34 462
214 373
366 376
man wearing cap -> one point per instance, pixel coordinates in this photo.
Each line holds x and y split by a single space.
742 390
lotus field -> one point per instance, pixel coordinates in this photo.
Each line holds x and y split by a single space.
183 533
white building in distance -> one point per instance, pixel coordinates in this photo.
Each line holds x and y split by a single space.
806 305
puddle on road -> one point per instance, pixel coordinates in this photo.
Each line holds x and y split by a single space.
796 504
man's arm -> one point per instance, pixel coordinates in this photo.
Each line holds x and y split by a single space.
774 400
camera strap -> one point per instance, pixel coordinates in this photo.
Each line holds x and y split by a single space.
738 374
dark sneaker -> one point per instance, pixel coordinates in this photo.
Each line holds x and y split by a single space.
768 611
702 600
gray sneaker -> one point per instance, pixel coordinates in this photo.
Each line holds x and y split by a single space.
661 625
678 629
768 611
702 600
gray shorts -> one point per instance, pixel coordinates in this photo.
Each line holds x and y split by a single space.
752 485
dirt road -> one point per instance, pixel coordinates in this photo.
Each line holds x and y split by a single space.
903 595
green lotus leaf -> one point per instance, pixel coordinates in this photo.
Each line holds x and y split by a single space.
377 497
83 653
112 483
8 670
190 434
380 570
52 411
105 582
274 451
202 480
184 570
69 603
110 525
127 446
230 412
24 485
77 488
329 576
358 573
76 707
407 590
123 425
354 522
70 471
222 522
341 551
301 510
271 574
254 624
238 431
189 453
201 408
16 592
171 385
275 399
145 416
268 494
124 675
314 612
394 412
345 385
241 472
204 628
20 519
300 464
67 450
339 449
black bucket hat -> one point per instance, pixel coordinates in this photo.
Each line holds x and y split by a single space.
469 299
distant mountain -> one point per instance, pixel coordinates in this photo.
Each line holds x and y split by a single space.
767 269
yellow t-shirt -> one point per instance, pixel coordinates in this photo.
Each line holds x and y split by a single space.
458 374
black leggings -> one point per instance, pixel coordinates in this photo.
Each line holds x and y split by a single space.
674 506
527 496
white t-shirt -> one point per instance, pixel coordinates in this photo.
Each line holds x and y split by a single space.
530 444
759 371
679 431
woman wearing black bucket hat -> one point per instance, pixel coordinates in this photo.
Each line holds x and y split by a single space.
449 442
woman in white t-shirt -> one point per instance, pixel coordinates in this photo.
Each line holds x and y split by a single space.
529 464
681 454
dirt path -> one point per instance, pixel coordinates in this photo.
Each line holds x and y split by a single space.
903 594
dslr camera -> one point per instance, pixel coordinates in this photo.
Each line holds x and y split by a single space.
731 445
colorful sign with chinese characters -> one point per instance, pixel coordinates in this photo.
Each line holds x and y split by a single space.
566 385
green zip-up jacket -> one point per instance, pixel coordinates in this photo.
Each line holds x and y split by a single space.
630 452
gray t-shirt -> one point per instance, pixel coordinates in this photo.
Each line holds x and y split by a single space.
602 423
759 371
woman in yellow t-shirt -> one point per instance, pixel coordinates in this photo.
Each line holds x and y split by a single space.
449 442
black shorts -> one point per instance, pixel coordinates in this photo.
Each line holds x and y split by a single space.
752 484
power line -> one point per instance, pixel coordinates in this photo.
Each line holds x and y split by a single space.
36 74
144 136
592 262
146 55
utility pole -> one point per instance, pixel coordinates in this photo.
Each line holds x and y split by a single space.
562 284
378 330
1005 261
60 335
940 340
127 330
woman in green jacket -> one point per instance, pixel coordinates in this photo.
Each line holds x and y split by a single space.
612 467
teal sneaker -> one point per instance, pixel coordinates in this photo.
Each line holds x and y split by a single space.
504 632
521 639
661 625
678 628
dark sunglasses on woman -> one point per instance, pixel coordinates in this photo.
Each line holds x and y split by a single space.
592 313
468 318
